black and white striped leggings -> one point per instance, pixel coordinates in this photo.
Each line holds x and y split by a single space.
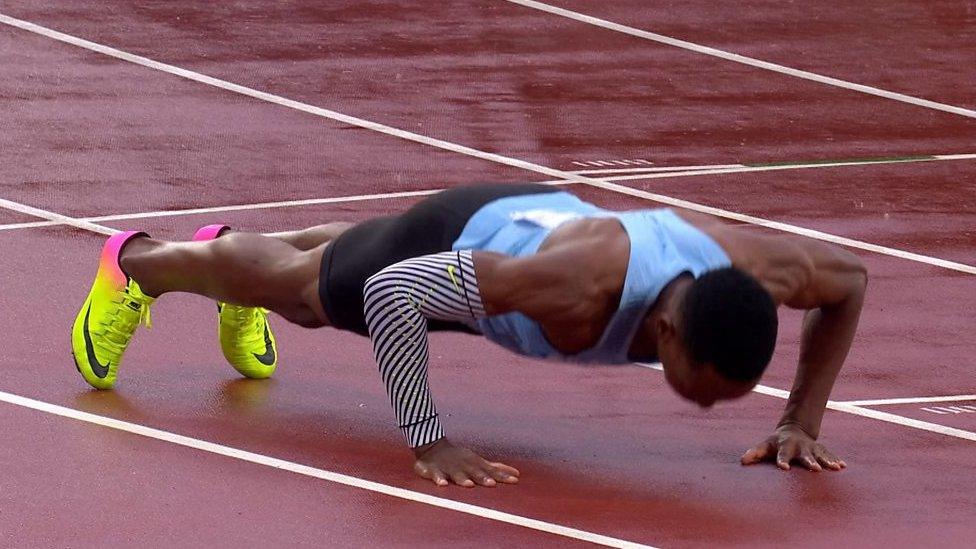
398 302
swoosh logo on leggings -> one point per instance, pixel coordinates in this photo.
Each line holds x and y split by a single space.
96 366
268 358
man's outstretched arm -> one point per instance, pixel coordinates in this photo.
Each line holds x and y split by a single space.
398 302
831 287
459 286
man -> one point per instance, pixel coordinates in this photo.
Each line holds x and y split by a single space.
527 266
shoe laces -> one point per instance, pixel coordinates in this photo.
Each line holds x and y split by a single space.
250 323
133 309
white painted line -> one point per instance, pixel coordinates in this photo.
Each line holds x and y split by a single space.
656 169
281 101
461 149
856 410
956 409
230 208
907 400
718 169
55 218
904 421
750 61
338 478
947 410
785 227
694 170
934 411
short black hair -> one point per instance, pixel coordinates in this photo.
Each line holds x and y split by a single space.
729 320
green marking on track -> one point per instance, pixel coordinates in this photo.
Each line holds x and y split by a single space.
882 160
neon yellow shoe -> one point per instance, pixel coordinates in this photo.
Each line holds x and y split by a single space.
245 334
247 341
113 310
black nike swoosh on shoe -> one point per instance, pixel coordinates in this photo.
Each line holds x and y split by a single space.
96 366
268 358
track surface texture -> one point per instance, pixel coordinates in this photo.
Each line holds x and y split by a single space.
603 451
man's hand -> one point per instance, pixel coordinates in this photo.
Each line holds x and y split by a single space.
442 462
791 443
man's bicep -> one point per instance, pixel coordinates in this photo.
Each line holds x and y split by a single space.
529 285
496 275
833 275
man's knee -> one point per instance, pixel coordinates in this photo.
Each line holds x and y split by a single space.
298 275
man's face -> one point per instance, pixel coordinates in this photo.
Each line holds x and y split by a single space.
699 383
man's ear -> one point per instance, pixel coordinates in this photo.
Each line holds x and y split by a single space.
664 326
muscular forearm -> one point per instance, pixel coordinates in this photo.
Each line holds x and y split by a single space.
827 336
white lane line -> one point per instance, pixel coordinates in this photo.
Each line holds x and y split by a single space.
696 172
737 168
338 478
785 227
907 400
55 218
655 169
461 149
902 420
215 209
229 208
934 411
644 173
848 408
282 101
957 409
715 169
750 61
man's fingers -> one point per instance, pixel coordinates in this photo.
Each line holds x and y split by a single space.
828 459
481 477
500 474
439 478
787 451
461 479
506 472
810 462
430 473
757 453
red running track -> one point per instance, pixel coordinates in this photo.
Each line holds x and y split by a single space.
606 450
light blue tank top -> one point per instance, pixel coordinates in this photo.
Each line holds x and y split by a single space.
662 247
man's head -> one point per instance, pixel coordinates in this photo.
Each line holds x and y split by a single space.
717 335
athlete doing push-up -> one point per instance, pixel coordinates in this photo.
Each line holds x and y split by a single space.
529 267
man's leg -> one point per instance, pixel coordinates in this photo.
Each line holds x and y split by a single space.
312 237
243 268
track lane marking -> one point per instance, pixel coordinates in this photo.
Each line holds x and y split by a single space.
908 400
746 168
56 218
902 420
461 149
566 176
661 172
787 228
849 408
216 209
322 474
744 60
625 174
762 167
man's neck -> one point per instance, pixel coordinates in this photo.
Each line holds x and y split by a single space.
644 344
